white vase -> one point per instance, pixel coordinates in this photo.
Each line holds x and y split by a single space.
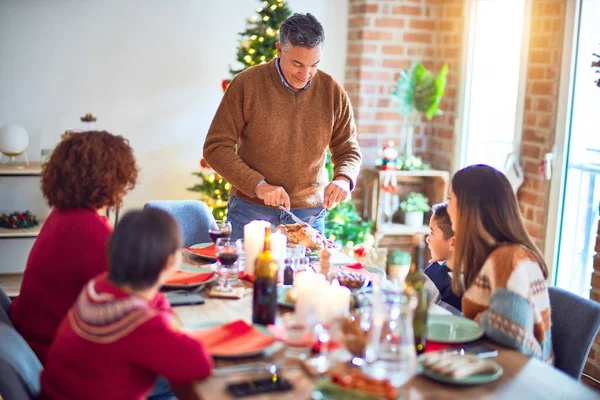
414 219
13 140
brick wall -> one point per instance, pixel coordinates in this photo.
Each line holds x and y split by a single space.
541 102
592 366
385 36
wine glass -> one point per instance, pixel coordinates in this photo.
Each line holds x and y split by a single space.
227 256
219 229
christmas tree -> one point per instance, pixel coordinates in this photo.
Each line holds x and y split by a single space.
214 190
342 223
257 43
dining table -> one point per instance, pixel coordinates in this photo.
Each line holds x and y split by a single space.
522 378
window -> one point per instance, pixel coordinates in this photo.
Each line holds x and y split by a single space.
493 102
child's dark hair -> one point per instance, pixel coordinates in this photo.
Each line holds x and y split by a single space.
140 246
441 216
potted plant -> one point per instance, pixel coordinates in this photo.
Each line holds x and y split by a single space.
414 205
398 265
418 93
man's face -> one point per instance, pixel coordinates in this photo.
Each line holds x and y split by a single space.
298 64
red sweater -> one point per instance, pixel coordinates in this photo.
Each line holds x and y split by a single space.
113 345
70 250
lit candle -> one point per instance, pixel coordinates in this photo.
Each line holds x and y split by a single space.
254 239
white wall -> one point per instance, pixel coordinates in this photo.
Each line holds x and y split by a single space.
150 70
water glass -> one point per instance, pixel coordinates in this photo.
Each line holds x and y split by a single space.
299 336
390 351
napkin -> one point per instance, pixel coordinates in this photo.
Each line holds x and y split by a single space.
210 251
188 278
250 278
236 338
431 346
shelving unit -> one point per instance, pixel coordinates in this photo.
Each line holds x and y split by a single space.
11 282
21 169
433 183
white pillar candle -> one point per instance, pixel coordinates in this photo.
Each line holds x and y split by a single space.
311 288
278 246
254 239
334 303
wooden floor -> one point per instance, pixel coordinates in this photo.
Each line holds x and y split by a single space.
11 284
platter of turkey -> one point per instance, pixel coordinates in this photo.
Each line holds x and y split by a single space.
307 236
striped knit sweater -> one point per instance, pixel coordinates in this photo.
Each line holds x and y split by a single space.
509 298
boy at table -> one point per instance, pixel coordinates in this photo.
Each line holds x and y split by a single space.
439 271
119 337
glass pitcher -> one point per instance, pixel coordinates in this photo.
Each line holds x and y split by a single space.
390 351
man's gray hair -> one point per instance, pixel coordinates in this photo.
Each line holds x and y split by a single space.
301 30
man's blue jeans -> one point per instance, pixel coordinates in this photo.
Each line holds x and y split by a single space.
240 212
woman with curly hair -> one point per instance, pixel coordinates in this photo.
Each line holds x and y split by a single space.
88 173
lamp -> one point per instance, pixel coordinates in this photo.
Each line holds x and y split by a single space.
13 141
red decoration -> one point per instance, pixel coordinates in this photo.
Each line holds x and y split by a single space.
225 83
204 164
360 251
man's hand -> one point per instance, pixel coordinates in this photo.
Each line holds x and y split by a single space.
337 190
273 195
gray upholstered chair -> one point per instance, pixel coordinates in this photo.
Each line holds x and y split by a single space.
4 306
19 367
575 323
194 218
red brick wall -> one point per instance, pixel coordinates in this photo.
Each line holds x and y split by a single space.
541 102
385 36
592 367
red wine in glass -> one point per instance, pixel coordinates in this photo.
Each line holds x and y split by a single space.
227 258
216 233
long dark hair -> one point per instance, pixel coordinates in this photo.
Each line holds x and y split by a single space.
140 247
488 216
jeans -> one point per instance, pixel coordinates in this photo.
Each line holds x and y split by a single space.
240 212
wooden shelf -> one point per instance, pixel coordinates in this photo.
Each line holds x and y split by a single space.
6 233
21 169
401 229
11 284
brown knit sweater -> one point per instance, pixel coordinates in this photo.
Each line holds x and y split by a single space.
281 136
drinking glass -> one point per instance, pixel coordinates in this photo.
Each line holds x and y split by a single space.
227 256
219 229
299 336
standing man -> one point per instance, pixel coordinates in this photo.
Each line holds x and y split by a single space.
282 116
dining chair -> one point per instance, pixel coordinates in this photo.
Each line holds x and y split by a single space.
19 366
194 218
575 324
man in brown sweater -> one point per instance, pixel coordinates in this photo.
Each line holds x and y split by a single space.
282 115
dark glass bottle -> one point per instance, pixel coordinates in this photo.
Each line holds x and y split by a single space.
415 286
264 300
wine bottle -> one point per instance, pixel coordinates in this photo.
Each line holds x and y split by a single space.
264 300
415 286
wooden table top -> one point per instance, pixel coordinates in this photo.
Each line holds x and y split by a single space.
522 378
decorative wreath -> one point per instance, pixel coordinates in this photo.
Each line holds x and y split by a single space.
18 220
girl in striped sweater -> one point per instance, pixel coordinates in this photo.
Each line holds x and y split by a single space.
504 274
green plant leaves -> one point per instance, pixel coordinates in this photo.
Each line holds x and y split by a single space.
415 202
419 91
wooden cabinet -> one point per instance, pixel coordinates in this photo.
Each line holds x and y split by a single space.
433 184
